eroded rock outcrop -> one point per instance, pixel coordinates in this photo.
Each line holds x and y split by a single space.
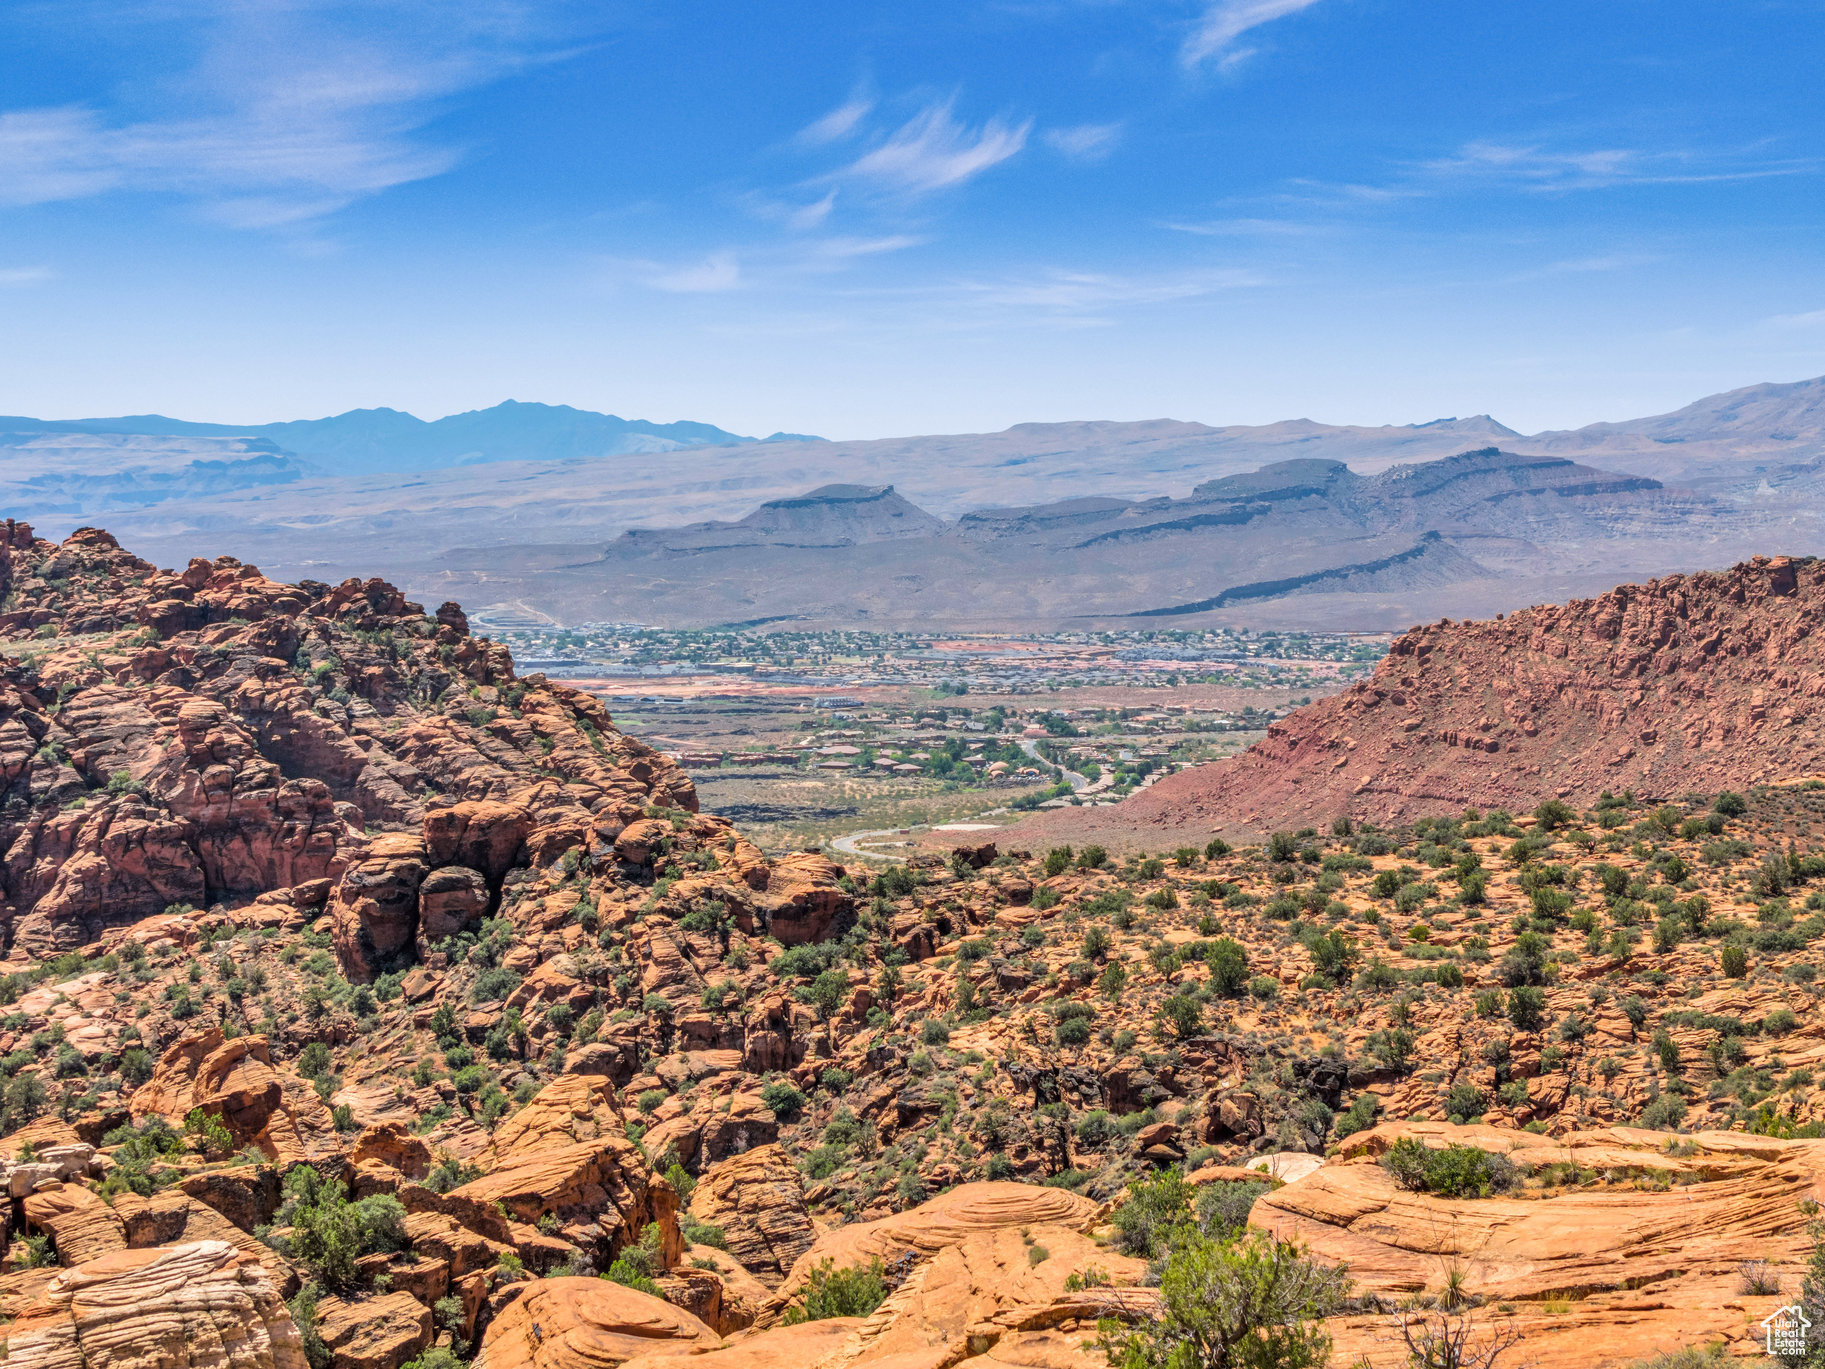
967 1210
170 1308
235 735
1656 1267
572 1323
374 910
758 1199
236 1081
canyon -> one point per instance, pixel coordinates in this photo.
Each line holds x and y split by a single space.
370 1003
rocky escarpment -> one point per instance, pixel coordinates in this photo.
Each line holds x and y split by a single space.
179 738
1691 682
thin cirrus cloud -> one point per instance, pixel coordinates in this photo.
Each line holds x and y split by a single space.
838 124
716 273
283 118
1222 24
1084 142
1812 318
1533 167
18 277
757 266
1061 292
933 151
1244 227
848 249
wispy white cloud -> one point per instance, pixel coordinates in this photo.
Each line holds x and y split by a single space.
17 277
716 273
1226 21
1597 264
845 249
256 172
1085 142
811 215
1339 194
838 124
932 151
1797 323
1245 227
1536 167
1582 266
285 116
1074 292
753 266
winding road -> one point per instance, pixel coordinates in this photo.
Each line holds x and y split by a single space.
1079 785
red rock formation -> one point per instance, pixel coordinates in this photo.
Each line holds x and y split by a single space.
235 735
198 1303
758 1199
235 1080
587 1324
1692 682
374 909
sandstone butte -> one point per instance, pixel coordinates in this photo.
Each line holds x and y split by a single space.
302 885
1690 682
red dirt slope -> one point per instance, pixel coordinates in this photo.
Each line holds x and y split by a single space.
1692 682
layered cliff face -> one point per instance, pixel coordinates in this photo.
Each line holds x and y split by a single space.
1688 683
173 738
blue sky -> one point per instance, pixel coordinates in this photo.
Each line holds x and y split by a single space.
863 220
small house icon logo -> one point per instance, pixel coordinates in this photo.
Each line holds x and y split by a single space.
1786 1330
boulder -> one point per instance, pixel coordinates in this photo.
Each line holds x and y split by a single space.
484 835
381 1331
247 1196
605 1181
176 1307
1235 1114
612 1060
81 1225
392 1145
52 1164
758 1199
803 901
950 1219
572 1323
639 842
572 1108
451 900
261 1105
374 908
743 1300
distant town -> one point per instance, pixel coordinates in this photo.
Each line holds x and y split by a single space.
812 737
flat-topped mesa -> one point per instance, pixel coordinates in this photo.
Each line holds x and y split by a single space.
1690 682
180 737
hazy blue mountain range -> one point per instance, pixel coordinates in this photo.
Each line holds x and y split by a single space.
527 505
368 440
1304 541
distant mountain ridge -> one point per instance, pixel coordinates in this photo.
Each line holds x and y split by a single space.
364 440
1300 523
1307 530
